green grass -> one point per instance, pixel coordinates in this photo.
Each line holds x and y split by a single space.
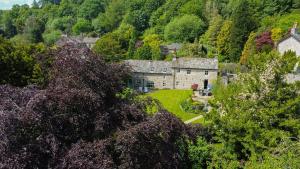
171 99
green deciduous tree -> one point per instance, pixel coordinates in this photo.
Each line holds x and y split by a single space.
82 26
199 153
111 18
154 42
143 53
109 47
90 9
8 26
51 37
259 110
34 28
16 63
193 7
185 28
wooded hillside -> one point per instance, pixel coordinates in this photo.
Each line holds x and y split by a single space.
209 28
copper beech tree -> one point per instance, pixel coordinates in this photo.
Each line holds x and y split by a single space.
78 121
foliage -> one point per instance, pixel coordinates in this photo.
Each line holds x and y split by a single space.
82 26
192 50
286 155
191 9
199 153
249 49
223 41
143 53
113 45
52 37
190 106
242 24
91 8
34 27
111 18
264 42
277 34
109 47
209 39
78 121
268 108
171 20
154 41
185 28
63 24
17 65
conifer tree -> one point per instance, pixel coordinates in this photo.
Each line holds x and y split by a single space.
242 24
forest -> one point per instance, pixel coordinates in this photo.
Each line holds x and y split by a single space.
68 106
208 28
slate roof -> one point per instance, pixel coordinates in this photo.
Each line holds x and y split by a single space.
76 39
174 46
89 40
196 63
148 66
295 36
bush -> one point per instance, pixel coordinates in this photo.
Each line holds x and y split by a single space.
52 37
80 121
199 153
190 106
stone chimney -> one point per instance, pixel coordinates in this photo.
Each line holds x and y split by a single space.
294 29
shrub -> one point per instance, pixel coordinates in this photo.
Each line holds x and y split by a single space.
190 106
264 42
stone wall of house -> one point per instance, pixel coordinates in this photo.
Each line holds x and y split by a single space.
182 80
160 81
292 78
289 44
185 78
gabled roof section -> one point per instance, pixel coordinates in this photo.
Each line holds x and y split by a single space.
196 63
165 67
295 36
149 66
293 33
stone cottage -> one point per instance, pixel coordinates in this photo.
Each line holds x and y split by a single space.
290 42
180 73
88 41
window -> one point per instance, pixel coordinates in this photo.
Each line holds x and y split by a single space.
164 83
188 72
165 69
150 84
206 72
177 83
178 70
137 83
152 69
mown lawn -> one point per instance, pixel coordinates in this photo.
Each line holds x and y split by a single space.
171 99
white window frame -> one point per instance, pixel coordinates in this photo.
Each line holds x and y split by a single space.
206 72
